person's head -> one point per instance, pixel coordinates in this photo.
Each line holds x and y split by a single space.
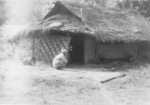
64 51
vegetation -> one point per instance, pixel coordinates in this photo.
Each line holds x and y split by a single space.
142 6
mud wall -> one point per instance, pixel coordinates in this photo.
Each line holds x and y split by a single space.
111 50
145 49
118 50
89 49
24 48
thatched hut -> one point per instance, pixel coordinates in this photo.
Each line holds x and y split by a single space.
91 32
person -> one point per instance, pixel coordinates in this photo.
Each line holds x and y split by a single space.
60 60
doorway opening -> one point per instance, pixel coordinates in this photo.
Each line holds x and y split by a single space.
77 49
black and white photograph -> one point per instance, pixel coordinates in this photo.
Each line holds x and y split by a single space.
74 52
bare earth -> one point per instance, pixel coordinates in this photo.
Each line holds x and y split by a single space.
44 85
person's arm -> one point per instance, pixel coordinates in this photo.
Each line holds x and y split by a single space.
64 59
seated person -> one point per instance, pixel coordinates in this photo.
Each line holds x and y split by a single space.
60 60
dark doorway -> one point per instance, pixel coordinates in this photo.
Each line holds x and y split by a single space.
77 49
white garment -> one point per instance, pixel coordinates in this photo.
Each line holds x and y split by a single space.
59 61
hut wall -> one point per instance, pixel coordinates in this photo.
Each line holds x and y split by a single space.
139 49
145 49
135 50
89 49
111 51
48 46
23 48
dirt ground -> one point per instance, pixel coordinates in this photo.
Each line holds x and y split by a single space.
43 85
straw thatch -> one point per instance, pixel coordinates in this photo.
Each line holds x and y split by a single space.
106 24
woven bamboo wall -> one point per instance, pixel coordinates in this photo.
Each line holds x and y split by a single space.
48 46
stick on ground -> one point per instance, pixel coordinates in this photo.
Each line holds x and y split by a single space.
107 80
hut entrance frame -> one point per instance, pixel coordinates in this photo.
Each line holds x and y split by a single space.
76 52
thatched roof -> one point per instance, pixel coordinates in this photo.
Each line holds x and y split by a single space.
106 24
